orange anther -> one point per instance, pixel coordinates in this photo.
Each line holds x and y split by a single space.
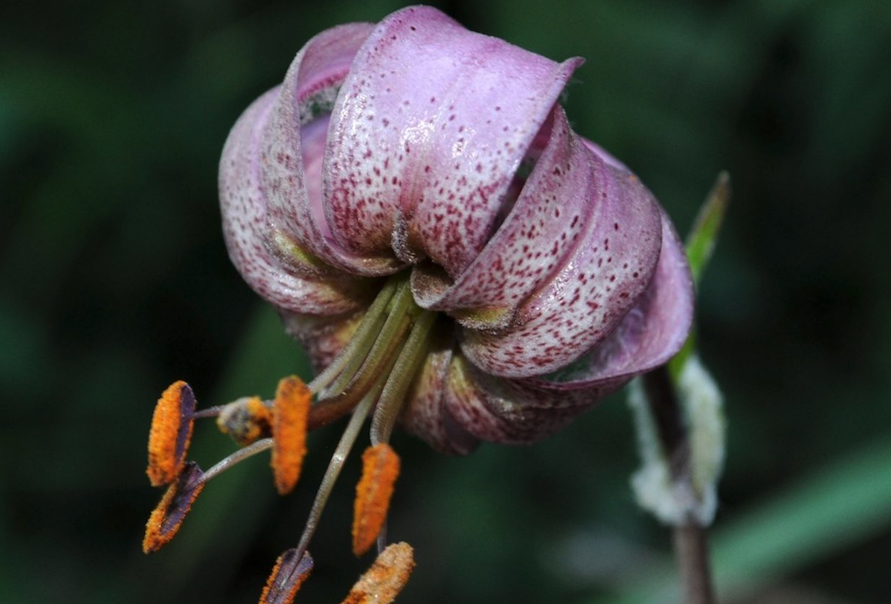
170 433
166 519
386 577
245 420
380 468
286 578
290 412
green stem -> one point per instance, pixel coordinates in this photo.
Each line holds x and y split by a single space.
360 413
360 343
350 389
401 377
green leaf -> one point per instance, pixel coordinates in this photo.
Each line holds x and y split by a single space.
704 234
700 246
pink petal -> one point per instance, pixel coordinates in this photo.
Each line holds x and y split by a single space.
429 129
246 227
322 337
649 335
510 412
425 414
526 410
551 213
294 142
600 280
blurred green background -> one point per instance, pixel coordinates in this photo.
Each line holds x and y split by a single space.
115 282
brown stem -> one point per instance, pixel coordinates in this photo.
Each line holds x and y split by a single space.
690 541
692 552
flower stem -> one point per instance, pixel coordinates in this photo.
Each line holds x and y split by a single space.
692 552
690 541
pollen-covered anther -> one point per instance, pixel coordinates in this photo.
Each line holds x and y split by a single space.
286 578
245 420
289 424
170 433
166 519
386 577
380 468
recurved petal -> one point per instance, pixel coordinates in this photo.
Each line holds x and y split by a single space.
601 279
551 213
293 145
322 337
273 271
425 414
649 335
510 411
420 161
525 410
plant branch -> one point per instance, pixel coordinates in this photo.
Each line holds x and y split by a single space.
690 540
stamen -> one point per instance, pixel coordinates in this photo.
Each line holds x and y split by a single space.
245 420
170 433
386 577
168 516
210 411
380 468
376 367
390 337
290 414
287 576
393 397
361 341
347 439
239 456
349 390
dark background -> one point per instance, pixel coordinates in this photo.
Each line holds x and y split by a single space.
114 282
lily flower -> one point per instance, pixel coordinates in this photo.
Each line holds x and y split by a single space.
453 256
